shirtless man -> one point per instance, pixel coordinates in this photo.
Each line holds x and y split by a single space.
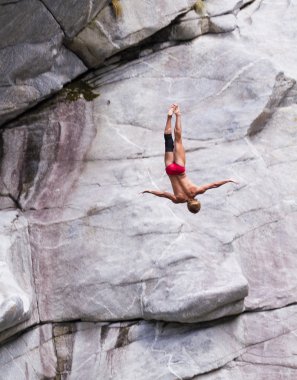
175 159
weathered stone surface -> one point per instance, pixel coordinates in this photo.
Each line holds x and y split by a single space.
154 285
31 356
217 7
270 221
48 151
188 27
193 25
34 61
169 351
106 35
270 30
44 65
270 356
151 350
74 15
102 252
261 205
251 371
17 296
93 227
222 24
80 233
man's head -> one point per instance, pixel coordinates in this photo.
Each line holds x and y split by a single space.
194 206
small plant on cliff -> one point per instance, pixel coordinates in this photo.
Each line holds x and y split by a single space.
199 6
79 89
117 8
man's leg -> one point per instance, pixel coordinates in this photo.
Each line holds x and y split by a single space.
169 145
179 151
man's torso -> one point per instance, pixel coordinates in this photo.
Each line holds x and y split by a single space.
182 187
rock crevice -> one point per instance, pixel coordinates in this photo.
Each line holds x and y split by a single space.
90 257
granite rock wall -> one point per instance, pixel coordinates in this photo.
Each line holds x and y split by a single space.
101 281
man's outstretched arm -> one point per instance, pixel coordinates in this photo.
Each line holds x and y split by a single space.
163 194
202 189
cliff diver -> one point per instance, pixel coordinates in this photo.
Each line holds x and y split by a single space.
175 159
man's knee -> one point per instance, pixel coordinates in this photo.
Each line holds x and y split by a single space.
177 137
177 134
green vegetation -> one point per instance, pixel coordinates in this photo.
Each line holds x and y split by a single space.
117 8
79 89
199 6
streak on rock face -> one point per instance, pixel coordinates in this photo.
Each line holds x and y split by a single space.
281 88
122 339
49 146
64 340
31 159
104 334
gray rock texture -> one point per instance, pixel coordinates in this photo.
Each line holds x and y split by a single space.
74 15
104 282
57 161
35 62
158 350
105 35
31 356
41 42
17 296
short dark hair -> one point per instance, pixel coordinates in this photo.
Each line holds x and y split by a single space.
194 206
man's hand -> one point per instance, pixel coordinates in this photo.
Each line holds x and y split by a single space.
163 194
233 180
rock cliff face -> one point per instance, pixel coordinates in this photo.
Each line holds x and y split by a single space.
100 282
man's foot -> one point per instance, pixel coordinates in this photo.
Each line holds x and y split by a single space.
171 110
177 110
